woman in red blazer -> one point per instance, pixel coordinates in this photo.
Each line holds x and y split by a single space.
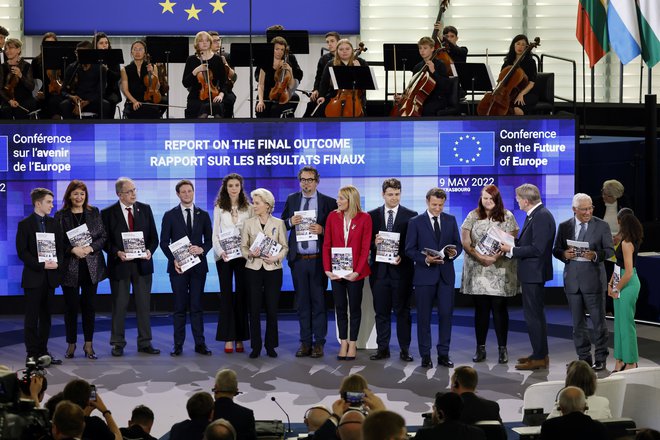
348 227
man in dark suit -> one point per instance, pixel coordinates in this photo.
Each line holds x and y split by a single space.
183 220
533 249
129 215
475 409
200 413
68 421
39 279
585 282
574 424
446 424
305 261
391 283
241 418
434 273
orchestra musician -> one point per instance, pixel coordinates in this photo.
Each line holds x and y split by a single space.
133 78
457 53
16 98
230 97
526 99
50 94
204 77
344 56
286 65
331 39
81 89
4 33
111 94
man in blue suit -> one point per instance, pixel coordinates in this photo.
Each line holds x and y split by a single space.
186 219
533 249
309 280
434 275
585 283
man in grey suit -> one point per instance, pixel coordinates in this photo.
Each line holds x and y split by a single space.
585 283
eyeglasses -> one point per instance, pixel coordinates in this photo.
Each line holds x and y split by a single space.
304 180
587 209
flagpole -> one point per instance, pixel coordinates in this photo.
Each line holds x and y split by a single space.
251 65
584 135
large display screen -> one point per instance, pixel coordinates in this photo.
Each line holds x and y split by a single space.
460 156
165 17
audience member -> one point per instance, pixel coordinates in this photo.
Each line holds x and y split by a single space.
220 429
51 403
580 374
241 418
314 418
350 425
139 427
384 425
574 423
464 383
68 421
200 413
446 421
648 434
79 392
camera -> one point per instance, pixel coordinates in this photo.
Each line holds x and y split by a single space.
92 394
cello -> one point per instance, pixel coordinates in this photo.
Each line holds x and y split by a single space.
347 103
511 81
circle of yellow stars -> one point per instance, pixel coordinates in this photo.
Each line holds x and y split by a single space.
193 12
476 155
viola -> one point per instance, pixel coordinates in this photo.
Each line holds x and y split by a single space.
208 90
152 92
281 92
511 81
441 52
54 81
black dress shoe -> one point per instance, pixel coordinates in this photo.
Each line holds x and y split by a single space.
503 355
271 352
444 361
176 350
117 351
480 354
426 362
255 353
380 354
598 366
149 349
202 349
54 360
405 356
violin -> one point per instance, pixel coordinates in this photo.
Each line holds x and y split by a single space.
54 81
347 103
511 81
441 52
281 92
152 93
208 90
12 81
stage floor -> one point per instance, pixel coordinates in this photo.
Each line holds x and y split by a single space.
164 383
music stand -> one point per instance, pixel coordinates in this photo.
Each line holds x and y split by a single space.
474 77
407 57
298 41
353 78
168 50
108 57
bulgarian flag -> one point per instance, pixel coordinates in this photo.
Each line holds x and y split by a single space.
592 28
648 12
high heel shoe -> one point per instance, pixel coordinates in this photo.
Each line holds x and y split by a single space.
229 348
631 366
239 348
351 347
70 351
89 352
503 357
480 354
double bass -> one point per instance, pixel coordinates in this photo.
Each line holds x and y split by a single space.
440 52
511 81
347 103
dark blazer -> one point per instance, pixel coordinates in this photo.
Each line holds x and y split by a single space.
451 429
34 273
534 247
476 409
189 430
573 426
173 228
115 224
241 418
587 277
358 240
95 260
325 206
404 269
420 235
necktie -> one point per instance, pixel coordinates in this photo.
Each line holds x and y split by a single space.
130 219
305 244
42 224
583 231
390 220
188 223
436 229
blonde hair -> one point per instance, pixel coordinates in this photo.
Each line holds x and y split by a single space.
266 196
613 187
337 61
199 36
351 194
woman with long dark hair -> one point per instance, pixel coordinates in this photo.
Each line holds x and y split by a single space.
111 93
526 99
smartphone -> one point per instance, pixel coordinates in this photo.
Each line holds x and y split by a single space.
92 395
353 398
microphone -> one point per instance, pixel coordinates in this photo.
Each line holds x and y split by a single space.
288 420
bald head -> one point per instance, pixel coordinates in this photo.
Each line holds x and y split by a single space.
572 399
350 426
315 417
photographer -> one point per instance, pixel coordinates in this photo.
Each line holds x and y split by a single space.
84 395
33 387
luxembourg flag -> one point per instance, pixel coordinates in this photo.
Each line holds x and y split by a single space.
649 28
623 28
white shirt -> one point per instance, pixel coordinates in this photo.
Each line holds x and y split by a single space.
185 214
394 210
125 212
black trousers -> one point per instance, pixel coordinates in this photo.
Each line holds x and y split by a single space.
38 302
348 296
265 287
391 294
233 312
483 306
81 298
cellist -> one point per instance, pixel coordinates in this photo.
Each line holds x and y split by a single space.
204 67
526 99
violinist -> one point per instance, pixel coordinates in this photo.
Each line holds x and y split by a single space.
16 97
344 56
230 96
50 94
133 78
4 33
526 99
111 93
331 39
81 89
204 77
286 66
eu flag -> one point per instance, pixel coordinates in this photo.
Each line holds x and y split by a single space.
467 149
4 154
